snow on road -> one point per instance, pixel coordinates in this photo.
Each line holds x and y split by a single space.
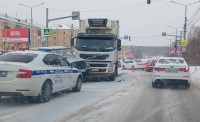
195 75
104 105
17 109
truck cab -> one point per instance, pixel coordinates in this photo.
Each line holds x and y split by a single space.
98 43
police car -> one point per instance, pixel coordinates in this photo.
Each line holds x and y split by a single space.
37 75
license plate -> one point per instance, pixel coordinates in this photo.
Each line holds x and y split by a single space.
94 70
172 70
3 73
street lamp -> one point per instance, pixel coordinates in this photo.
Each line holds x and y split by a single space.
31 28
176 43
185 24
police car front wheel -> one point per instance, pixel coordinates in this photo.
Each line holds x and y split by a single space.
77 88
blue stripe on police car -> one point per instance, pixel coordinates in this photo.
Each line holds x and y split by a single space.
42 72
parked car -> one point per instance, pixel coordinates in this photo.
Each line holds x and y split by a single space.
171 70
149 65
36 75
129 64
140 64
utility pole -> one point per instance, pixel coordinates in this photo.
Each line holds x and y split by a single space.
72 32
31 30
31 27
185 20
176 42
181 52
47 25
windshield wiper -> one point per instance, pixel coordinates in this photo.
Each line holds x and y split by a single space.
106 49
85 48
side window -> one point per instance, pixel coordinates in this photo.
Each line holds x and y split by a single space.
46 61
50 59
63 61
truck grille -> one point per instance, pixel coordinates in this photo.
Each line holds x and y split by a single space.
98 65
94 56
98 70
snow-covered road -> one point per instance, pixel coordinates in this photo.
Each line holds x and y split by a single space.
130 98
62 104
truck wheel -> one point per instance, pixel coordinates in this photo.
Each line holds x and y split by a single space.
78 85
153 84
112 78
123 67
116 72
45 94
187 86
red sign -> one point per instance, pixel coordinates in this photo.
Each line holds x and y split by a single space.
17 36
177 51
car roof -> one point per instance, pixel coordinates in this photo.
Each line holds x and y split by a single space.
128 60
30 51
171 58
53 47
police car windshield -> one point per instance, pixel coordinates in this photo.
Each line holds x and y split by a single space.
18 57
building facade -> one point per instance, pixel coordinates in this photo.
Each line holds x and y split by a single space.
7 22
61 34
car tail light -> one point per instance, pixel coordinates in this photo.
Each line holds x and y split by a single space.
159 69
149 64
184 69
23 73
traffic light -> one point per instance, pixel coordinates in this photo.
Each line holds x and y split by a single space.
129 38
148 1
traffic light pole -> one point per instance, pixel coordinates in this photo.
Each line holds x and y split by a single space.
74 14
47 24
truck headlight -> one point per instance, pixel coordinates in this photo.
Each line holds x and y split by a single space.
111 67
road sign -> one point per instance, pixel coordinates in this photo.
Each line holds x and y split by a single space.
46 32
75 15
184 43
125 37
183 49
179 43
164 33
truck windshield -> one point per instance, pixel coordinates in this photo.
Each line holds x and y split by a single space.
95 44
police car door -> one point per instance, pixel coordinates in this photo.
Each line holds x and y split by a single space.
54 71
68 76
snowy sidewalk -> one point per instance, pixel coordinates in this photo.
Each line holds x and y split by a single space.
195 75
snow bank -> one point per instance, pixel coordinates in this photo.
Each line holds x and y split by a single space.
195 75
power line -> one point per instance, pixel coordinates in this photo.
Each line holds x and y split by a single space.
172 10
112 9
194 16
147 36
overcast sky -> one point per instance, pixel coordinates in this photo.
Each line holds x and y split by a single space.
137 19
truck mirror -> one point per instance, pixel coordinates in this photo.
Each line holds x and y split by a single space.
72 42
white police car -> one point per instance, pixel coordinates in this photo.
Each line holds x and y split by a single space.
37 75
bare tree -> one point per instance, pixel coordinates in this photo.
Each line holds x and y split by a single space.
193 49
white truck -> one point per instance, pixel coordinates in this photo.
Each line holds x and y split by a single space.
97 41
